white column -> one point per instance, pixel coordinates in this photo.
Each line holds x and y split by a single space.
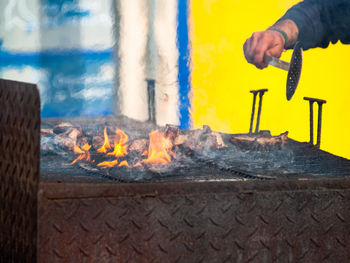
148 49
167 97
132 51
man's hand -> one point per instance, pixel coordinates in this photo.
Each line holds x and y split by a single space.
270 42
261 45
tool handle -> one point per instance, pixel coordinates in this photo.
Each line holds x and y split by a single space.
278 63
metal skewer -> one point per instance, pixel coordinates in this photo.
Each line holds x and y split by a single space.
279 63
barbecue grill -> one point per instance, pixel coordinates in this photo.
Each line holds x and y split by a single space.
232 205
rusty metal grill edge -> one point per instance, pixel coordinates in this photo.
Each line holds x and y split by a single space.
275 221
19 170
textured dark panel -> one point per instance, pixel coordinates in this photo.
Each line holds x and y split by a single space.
208 224
19 170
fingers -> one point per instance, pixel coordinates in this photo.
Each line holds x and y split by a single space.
275 51
262 44
260 51
247 50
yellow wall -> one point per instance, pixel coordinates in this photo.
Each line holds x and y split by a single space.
221 77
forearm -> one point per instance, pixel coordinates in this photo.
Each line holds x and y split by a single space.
311 21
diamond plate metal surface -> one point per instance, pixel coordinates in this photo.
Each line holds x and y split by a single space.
19 170
205 224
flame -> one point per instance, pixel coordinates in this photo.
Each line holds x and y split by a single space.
159 148
106 164
78 150
84 153
86 147
106 146
158 152
123 163
120 144
138 164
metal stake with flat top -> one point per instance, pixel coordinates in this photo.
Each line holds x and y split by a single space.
319 122
261 94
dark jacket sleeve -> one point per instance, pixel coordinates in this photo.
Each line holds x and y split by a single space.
321 22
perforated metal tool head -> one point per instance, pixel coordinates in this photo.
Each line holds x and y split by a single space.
294 72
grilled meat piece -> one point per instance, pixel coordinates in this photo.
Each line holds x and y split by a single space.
199 139
219 142
279 140
262 142
69 138
244 141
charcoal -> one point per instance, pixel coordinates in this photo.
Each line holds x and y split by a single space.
138 146
284 137
65 141
181 139
73 133
187 141
171 132
82 141
196 138
47 145
97 142
265 133
206 129
46 132
212 140
63 127
112 139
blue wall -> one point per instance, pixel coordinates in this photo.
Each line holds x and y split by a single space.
74 69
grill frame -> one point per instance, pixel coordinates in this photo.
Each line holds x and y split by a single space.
252 221
19 170
241 221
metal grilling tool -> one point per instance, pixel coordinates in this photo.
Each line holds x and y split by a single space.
293 67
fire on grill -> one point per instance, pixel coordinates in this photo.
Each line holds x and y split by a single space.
112 147
122 149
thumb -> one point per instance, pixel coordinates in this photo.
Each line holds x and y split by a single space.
275 51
